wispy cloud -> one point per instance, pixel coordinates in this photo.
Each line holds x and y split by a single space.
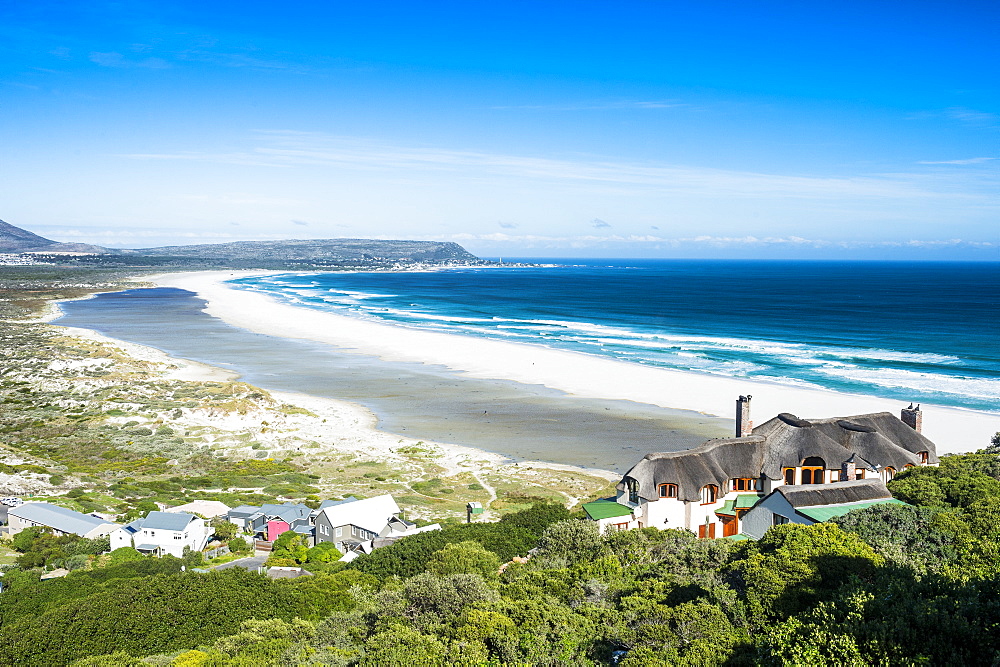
287 149
300 223
598 106
971 116
531 240
971 160
597 223
117 60
508 225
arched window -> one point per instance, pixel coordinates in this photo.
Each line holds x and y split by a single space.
888 473
709 494
924 457
668 490
813 470
909 465
789 475
633 491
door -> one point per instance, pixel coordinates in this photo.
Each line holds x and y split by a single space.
730 526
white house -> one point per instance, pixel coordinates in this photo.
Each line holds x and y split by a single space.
362 525
59 520
710 489
163 533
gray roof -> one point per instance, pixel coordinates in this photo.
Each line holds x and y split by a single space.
837 493
243 511
334 503
784 441
58 518
288 512
167 520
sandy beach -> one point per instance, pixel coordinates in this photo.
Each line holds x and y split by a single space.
578 374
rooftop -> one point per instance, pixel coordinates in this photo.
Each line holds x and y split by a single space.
827 512
167 521
58 518
606 509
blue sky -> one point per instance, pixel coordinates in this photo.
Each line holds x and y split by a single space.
642 129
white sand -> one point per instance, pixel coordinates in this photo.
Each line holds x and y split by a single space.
952 429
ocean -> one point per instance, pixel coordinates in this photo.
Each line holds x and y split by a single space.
908 331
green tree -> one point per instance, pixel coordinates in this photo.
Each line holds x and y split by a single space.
125 555
238 545
793 566
570 541
465 558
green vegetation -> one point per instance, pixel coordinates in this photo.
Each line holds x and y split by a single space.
883 585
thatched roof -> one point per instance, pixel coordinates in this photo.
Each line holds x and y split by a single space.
837 493
784 441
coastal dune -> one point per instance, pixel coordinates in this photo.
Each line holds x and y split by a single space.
575 373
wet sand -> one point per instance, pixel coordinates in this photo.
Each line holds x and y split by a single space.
425 401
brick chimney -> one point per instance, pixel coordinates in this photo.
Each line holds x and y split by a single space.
912 417
848 470
744 426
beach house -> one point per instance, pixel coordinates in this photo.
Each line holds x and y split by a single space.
59 520
710 489
360 526
161 533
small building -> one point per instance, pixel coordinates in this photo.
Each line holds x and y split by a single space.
160 533
809 504
59 520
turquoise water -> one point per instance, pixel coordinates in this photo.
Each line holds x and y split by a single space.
910 331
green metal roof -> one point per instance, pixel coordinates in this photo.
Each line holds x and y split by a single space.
605 509
727 508
739 537
741 502
833 511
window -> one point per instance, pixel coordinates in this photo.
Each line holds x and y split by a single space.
789 475
888 473
709 493
742 484
859 473
777 520
813 470
633 491
909 465
668 490
339 532
924 457
616 527
324 529
177 537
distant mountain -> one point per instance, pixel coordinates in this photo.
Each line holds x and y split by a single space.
16 240
316 253
319 250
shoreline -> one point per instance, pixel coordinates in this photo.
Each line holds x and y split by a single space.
353 425
577 374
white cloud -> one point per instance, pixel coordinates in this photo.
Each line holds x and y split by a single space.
971 160
283 149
